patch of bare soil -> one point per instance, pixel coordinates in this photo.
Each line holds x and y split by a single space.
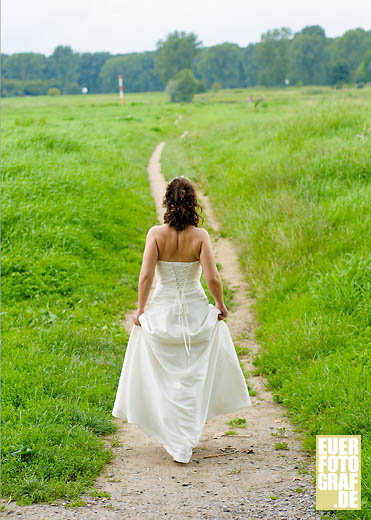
240 476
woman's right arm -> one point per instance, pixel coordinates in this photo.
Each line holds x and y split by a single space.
147 272
211 274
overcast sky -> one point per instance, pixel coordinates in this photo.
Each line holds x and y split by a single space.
121 26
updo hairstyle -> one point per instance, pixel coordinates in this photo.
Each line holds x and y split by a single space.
181 204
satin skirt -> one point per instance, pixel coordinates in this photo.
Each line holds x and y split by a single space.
169 390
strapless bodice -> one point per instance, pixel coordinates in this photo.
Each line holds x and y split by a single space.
178 290
178 274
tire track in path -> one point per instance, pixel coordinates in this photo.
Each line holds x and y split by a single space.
239 477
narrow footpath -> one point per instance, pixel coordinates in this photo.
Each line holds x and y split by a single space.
238 477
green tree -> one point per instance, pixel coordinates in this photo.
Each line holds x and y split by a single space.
138 72
308 57
65 62
364 69
183 87
90 66
251 67
314 30
271 56
350 49
339 73
177 52
24 66
222 63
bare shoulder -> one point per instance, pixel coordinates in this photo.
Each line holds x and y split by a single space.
202 233
154 230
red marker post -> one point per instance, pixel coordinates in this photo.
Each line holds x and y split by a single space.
121 90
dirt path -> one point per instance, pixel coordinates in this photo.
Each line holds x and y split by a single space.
238 476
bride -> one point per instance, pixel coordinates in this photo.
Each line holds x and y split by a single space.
180 366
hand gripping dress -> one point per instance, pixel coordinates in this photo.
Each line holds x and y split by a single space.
180 366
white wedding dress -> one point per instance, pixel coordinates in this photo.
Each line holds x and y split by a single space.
180 366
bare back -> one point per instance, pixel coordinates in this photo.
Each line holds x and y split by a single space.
179 246
190 245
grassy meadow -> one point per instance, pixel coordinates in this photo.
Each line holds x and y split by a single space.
76 206
290 181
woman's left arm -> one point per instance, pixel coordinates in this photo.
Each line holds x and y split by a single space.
147 272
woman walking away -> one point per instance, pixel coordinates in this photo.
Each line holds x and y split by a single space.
180 366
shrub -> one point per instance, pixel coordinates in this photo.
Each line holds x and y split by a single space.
12 87
31 87
217 86
200 87
54 91
36 87
171 88
72 88
183 87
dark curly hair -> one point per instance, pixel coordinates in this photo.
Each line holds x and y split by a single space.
180 201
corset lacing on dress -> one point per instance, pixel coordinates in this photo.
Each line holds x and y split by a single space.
182 307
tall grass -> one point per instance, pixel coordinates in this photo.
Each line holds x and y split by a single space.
290 180
75 210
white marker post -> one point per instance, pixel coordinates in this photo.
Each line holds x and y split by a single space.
121 90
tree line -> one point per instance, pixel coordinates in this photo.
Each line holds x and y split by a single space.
281 57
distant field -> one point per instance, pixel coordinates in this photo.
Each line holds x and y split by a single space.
290 180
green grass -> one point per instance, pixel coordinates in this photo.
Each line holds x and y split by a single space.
281 446
281 432
76 207
237 422
290 182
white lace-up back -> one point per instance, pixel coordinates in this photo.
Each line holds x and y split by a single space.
178 273
182 278
181 308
